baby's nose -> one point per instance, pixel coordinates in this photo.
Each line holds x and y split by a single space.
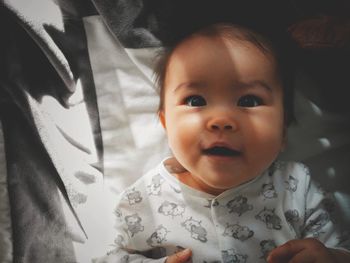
221 124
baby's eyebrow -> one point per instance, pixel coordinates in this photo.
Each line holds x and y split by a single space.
189 84
236 84
253 84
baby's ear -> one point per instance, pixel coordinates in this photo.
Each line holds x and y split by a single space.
162 118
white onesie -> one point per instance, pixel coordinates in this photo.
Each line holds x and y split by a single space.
159 215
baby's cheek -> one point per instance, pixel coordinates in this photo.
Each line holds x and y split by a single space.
269 138
184 132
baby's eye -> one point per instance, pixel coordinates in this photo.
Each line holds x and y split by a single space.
195 101
249 101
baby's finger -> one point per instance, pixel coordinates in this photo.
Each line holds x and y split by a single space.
309 249
285 252
303 256
180 257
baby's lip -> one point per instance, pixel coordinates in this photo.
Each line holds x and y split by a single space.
221 149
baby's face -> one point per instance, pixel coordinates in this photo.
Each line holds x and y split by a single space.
223 111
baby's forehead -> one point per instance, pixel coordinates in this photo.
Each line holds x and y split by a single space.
221 41
201 51
206 62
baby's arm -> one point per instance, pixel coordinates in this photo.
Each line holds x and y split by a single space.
307 250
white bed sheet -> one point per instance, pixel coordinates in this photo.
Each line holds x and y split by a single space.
133 138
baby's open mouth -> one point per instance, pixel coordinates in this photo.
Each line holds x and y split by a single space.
221 151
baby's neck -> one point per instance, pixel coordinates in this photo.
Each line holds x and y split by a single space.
188 179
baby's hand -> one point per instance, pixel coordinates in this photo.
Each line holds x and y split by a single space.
302 250
180 257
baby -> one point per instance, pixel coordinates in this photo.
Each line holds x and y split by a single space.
225 104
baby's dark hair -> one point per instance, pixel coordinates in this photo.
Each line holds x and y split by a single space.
280 47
